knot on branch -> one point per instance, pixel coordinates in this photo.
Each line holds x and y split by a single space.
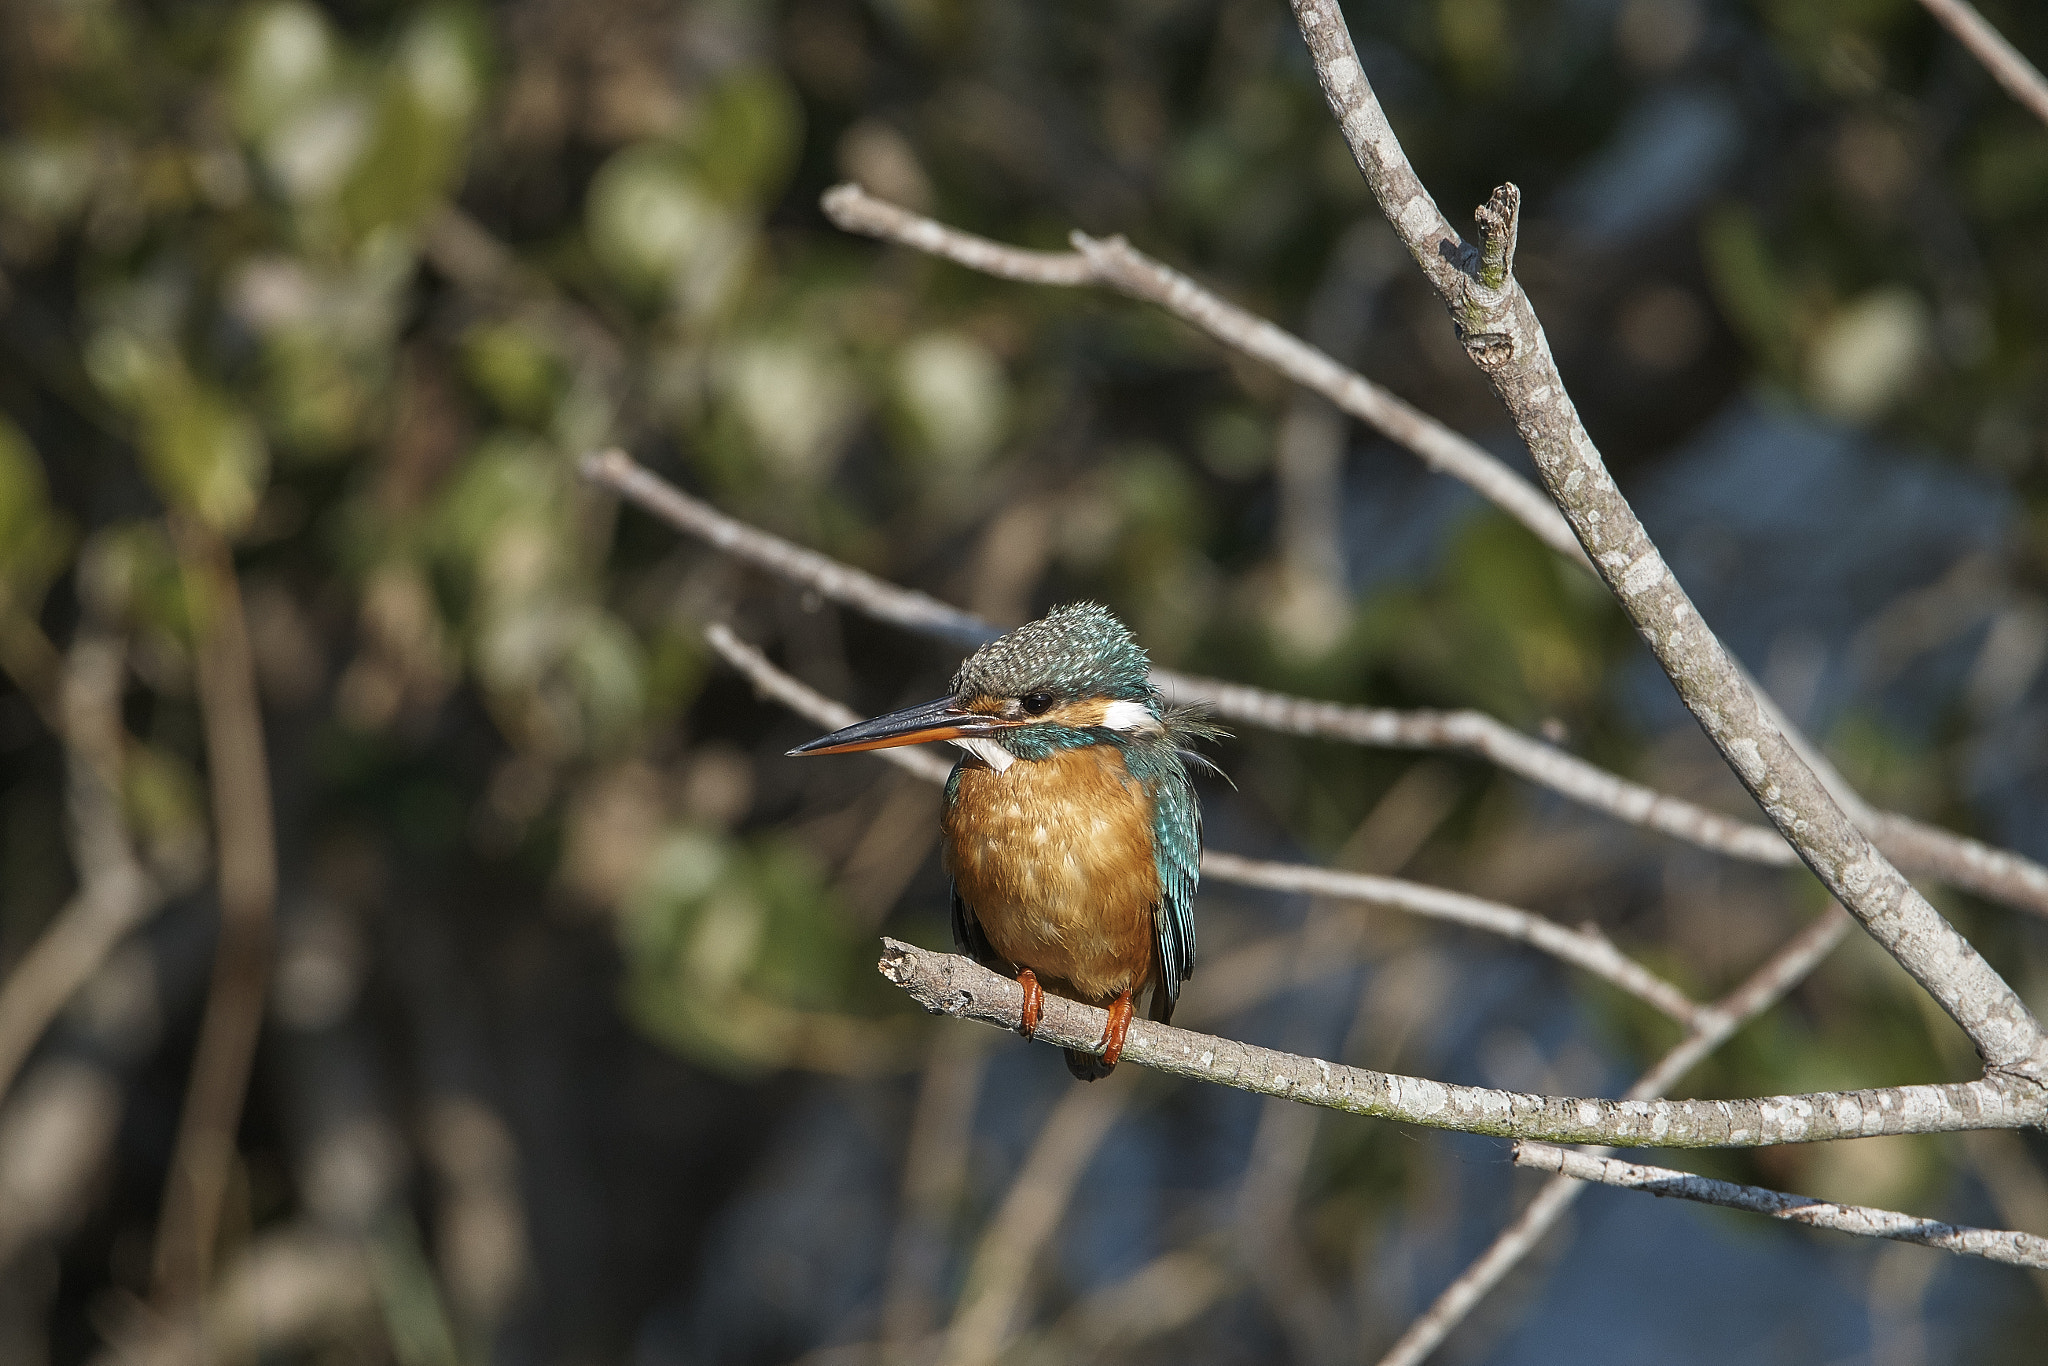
1489 292
1499 220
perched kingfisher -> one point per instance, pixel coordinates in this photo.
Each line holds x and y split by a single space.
1071 829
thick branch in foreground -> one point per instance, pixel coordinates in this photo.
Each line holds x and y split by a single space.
1587 949
948 984
1994 873
1998 1245
1505 338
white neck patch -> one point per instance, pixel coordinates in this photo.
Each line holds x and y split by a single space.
988 751
1132 716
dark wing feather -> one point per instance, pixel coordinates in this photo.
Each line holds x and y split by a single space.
1177 845
967 933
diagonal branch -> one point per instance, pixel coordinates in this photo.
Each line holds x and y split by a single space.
1116 264
1586 949
1966 863
948 984
1763 988
1998 1245
1113 262
116 893
2020 77
1500 330
238 773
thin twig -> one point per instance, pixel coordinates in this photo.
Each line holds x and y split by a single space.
1116 264
1994 873
935 1168
1590 951
774 683
1794 961
239 781
1998 1245
1502 334
949 984
1026 1220
2020 77
116 894
1266 1246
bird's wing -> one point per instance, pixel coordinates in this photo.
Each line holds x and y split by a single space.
1177 845
967 933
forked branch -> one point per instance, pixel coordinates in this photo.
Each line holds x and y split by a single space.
948 984
1794 961
1994 873
1585 949
1506 340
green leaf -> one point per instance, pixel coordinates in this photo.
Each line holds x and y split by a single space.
747 137
284 63
205 455
34 537
659 232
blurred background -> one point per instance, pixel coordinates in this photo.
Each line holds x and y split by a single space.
572 1049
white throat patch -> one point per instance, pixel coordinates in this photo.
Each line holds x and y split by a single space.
988 751
1132 716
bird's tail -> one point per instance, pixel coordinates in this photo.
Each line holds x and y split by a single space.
1087 1066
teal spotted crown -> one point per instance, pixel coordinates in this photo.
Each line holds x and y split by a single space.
1080 650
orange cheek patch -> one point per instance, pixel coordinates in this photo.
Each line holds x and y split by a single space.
985 705
1089 711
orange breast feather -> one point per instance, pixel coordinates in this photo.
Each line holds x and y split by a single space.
1054 858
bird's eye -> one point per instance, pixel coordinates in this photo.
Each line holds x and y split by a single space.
1037 703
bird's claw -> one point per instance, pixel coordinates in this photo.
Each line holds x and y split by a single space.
1120 1012
1034 1003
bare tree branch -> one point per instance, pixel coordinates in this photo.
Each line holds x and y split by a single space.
1586 949
1029 1215
239 782
2020 77
1783 970
774 683
935 1171
2016 1249
948 984
1115 263
1994 873
115 894
1500 331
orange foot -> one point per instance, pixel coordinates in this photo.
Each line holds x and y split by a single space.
1119 1025
1034 1002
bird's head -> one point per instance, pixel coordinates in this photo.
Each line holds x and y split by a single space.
1058 682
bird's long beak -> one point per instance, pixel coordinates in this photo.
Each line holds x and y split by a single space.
935 720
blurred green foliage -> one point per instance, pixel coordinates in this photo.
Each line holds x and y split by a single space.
357 284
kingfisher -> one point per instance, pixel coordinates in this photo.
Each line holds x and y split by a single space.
1071 830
